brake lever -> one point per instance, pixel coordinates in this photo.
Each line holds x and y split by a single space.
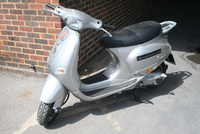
106 31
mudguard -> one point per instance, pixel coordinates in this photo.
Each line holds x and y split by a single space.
53 92
170 59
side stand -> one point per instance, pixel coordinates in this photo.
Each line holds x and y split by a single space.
136 98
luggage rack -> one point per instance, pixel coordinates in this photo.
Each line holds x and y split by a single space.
167 26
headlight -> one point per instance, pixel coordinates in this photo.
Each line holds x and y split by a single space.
74 24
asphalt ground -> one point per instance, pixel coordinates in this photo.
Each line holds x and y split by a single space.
174 105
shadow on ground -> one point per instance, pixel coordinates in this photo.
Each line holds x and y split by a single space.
80 110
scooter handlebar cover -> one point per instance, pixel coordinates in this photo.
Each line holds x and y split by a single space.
108 26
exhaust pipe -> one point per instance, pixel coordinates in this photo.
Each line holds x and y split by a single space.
154 79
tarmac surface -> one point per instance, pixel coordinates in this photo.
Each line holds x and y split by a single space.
174 107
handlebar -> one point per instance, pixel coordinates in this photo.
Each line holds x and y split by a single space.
108 26
76 16
50 6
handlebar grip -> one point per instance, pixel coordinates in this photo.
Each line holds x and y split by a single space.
50 6
108 26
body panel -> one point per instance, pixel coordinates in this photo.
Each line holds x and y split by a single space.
67 58
128 68
130 54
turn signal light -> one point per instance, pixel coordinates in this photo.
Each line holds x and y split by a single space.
60 70
149 70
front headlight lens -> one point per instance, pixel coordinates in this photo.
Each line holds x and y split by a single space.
74 24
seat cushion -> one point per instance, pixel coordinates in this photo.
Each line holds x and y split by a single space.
131 35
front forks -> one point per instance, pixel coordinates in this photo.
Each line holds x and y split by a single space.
53 92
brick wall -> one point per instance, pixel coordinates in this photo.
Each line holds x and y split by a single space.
28 34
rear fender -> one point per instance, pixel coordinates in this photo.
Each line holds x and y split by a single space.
170 59
53 92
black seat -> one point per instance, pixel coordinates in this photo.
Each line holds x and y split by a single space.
131 35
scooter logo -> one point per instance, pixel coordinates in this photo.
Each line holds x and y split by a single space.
62 36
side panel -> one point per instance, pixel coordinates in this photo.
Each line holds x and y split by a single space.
134 61
142 57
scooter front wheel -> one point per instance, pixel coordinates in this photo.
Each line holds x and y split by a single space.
46 114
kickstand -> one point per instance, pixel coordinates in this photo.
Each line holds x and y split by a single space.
136 98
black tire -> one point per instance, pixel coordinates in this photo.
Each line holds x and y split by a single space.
46 114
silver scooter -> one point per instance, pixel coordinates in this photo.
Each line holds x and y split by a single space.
138 52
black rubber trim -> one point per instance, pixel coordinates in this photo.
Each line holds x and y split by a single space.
145 56
95 78
50 6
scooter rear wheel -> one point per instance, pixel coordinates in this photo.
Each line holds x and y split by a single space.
46 114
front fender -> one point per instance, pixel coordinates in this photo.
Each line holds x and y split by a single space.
53 92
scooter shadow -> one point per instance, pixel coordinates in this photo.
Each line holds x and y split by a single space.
80 110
